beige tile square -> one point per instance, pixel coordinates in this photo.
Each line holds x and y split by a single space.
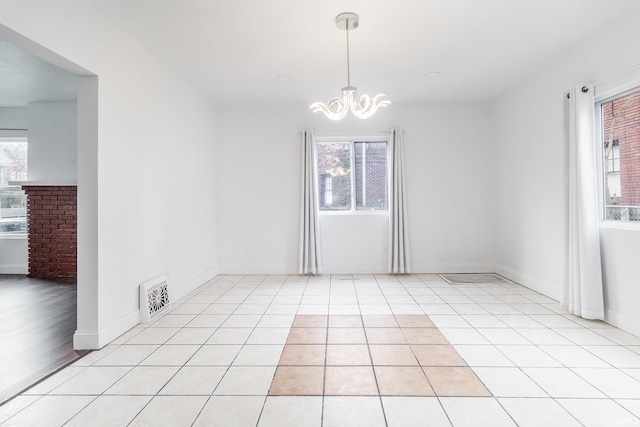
297 381
346 336
392 355
402 381
379 321
310 321
414 321
346 354
438 355
385 336
302 354
345 321
424 336
455 381
307 336
350 381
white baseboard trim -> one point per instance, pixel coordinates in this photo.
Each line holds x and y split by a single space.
354 269
94 340
86 340
452 268
201 279
14 269
259 269
546 289
622 321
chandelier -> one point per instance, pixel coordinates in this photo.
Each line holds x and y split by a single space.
337 108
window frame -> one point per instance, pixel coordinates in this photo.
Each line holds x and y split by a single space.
606 92
352 139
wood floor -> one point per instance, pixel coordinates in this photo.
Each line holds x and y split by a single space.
37 322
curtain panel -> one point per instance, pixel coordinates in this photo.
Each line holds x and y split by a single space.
398 227
310 260
583 291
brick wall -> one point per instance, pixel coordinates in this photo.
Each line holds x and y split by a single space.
626 131
52 225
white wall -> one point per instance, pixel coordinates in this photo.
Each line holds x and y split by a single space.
449 197
147 155
53 144
13 118
530 173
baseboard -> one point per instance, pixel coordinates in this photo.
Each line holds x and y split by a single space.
622 321
354 269
94 340
259 269
201 279
452 268
546 289
86 340
14 269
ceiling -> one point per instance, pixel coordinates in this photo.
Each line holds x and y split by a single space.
26 78
233 50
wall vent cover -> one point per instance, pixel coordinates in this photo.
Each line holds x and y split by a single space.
154 298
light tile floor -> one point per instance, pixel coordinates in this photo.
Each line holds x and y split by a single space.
211 361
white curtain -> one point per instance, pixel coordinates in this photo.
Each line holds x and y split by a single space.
583 292
398 233
310 261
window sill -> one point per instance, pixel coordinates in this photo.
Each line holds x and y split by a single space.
620 225
13 237
360 212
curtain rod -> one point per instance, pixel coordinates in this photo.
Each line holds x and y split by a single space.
12 129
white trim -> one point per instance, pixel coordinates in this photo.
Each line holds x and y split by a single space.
346 137
94 340
14 269
451 268
85 340
355 269
13 236
622 321
620 225
53 183
546 289
357 212
178 292
291 268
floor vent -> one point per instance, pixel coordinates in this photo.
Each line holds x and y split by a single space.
464 278
154 298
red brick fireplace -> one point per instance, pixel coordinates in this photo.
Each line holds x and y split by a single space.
52 228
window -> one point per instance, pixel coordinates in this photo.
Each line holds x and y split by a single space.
352 175
620 139
13 202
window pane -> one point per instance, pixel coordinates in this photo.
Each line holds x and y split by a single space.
13 211
621 149
371 175
334 175
13 162
13 202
